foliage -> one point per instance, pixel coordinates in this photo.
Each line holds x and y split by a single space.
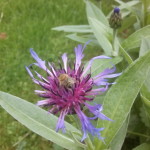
127 102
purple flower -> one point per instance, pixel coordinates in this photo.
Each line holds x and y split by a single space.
116 10
67 90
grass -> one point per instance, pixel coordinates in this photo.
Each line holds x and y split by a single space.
28 24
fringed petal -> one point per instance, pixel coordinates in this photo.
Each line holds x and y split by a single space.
79 56
96 110
112 75
64 58
103 89
29 72
61 123
39 91
100 79
41 77
43 102
31 75
91 61
53 70
40 63
87 126
106 72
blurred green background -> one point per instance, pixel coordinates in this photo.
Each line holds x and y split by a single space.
26 24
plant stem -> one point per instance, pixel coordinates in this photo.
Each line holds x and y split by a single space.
89 144
145 12
113 42
138 134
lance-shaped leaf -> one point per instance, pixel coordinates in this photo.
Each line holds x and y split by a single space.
134 40
103 34
144 146
145 111
145 46
38 120
94 12
127 7
120 98
145 90
83 38
119 138
74 28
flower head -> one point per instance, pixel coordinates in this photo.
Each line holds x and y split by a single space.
115 19
116 10
67 90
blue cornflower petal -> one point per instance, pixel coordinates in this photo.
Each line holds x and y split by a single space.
96 110
87 126
116 10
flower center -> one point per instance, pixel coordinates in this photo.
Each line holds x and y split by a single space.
66 81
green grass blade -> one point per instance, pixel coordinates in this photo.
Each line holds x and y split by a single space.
38 120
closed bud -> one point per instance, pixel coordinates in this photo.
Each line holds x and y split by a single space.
115 19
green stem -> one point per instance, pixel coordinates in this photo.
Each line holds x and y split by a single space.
145 12
138 134
89 144
113 42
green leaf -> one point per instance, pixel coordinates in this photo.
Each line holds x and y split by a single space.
145 91
127 23
144 146
125 54
94 12
144 116
120 98
145 46
134 40
146 106
38 120
83 38
126 7
102 34
119 138
99 65
74 28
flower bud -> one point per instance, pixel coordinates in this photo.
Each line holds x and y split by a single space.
115 19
